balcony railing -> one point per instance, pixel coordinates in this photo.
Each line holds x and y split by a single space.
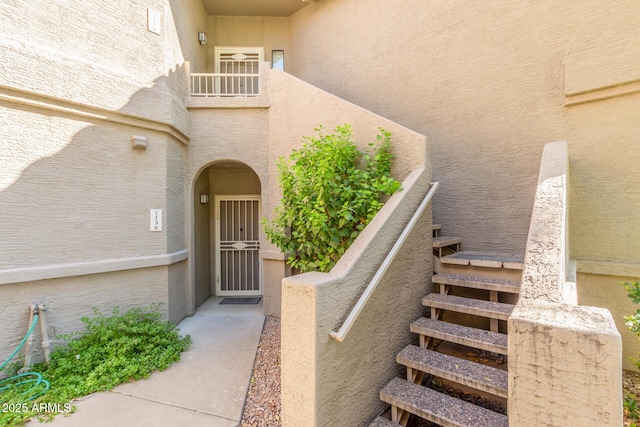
225 85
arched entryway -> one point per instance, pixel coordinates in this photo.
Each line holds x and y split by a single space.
226 212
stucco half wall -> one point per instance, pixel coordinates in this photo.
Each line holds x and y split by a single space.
296 109
331 383
565 360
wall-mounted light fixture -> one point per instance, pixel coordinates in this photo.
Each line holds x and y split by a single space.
139 142
202 37
204 199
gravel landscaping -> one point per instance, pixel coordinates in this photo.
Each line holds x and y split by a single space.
262 407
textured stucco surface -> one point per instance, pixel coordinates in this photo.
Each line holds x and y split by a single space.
565 360
69 299
74 195
273 271
320 375
248 31
227 134
201 241
544 275
489 84
565 367
296 109
606 291
486 84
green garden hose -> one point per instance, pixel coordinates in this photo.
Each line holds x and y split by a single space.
38 385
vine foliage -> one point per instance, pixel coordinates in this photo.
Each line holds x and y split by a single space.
330 192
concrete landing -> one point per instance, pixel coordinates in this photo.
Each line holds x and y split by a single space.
207 387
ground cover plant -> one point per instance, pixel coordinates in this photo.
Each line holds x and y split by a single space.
330 191
109 351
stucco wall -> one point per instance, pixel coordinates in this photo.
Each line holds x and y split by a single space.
485 82
201 255
331 383
88 199
298 108
268 32
227 134
565 360
564 367
74 194
489 84
234 181
70 298
603 290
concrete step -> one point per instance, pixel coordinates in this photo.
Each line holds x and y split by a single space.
383 422
484 259
490 309
444 241
437 407
478 376
477 282
464 335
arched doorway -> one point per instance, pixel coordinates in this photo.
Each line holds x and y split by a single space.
227 211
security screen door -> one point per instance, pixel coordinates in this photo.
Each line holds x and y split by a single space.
242 61
238 245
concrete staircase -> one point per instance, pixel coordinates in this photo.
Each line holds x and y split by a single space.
463 342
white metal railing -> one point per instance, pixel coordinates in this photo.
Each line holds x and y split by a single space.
355 312
225 84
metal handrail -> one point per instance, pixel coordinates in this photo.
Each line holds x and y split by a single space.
355 311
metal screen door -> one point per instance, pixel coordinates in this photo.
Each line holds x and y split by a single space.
238 245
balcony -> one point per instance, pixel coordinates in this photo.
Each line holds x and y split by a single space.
225 84
228 90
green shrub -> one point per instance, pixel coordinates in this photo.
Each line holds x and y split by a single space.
330 192
631 407
110 351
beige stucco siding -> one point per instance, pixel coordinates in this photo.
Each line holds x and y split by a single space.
326 382
605 203
485 83
229 134
77 81
268 32
201 257
298 108
70 298
606 291
219 134
85 64
489 84
87 199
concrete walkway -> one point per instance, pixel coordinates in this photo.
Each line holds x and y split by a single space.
207 387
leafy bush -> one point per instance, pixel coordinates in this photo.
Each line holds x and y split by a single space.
330 192
631 407
110 351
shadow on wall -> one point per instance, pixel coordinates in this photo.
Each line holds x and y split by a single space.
230 179
76 198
